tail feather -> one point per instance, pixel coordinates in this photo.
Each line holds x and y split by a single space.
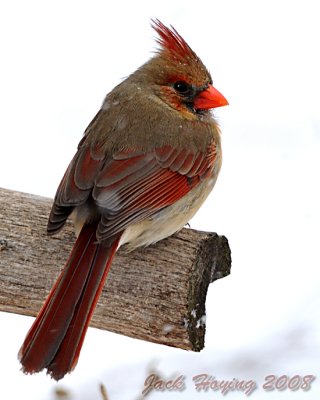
56 336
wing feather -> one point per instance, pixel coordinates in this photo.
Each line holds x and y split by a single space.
130 186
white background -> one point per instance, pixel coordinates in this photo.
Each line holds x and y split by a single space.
60 58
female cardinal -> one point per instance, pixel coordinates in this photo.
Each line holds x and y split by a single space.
144 166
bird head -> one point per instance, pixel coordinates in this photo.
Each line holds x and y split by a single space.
178 74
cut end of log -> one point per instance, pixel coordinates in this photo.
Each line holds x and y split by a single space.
213 262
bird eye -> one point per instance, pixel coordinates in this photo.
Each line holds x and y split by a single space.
183 88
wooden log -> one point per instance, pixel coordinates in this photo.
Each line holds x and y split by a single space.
156 293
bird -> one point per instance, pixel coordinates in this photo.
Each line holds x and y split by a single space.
144 166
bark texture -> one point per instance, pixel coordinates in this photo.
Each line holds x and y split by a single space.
156 293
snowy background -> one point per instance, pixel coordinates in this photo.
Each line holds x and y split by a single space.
60 58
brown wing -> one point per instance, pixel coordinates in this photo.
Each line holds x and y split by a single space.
128 187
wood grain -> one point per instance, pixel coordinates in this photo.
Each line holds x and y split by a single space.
156 294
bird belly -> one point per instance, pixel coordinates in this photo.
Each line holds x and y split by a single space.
169 220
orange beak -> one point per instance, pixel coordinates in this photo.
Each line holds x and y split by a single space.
209 98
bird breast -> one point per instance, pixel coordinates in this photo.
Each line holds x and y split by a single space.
169 220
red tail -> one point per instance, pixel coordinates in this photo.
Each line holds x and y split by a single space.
56 336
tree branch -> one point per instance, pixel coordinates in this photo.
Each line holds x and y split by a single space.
156 294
